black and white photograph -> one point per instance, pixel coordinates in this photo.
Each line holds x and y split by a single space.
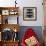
30 13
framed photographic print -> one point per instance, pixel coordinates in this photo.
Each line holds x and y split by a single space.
30 13
5 12
13 12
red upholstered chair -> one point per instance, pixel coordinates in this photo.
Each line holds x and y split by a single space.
28 34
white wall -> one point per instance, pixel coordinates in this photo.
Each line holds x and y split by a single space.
26 3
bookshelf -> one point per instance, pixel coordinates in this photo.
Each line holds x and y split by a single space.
7 25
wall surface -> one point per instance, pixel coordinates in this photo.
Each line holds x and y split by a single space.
34 3
26 3
36 29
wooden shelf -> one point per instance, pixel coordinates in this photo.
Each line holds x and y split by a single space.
8 10
9 43
11 26
4 12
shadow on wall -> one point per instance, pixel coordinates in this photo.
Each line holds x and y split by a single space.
37 29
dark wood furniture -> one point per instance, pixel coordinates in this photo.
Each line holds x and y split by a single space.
0 43
10 43
5 12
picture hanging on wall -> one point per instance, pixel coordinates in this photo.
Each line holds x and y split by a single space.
29 13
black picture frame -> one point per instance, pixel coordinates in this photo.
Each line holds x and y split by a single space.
29 13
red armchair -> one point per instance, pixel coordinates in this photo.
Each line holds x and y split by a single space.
29 36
